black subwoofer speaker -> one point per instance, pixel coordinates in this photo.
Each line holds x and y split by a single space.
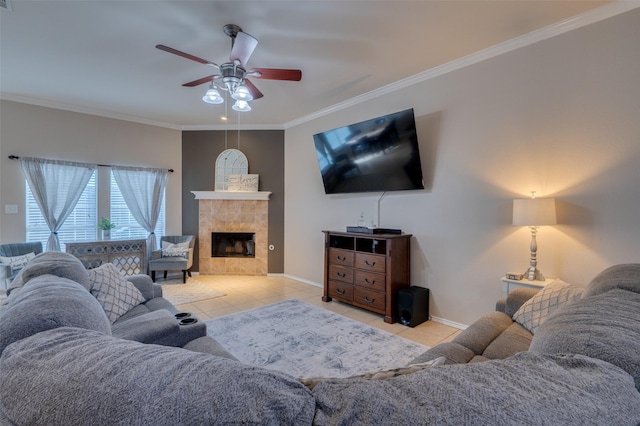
413 305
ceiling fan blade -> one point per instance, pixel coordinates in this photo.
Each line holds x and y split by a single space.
275 74
257 94
200 81
243 47
185 55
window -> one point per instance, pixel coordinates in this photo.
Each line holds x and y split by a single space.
126 225
80 225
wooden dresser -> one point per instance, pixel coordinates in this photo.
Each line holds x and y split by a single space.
366 270
129 256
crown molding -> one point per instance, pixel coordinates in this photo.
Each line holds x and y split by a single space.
86 110
582 20
232 127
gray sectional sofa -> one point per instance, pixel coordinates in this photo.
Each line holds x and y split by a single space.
63 365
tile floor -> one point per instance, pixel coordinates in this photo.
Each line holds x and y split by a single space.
248 292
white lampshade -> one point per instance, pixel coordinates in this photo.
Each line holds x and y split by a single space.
534 212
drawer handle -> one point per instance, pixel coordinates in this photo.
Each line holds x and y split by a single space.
341 258
340 291
369 282
366 299
369 263
341 274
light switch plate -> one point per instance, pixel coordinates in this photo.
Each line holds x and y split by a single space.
10 208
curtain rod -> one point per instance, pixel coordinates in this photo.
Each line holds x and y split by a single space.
15 157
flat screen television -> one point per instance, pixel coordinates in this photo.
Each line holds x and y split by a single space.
376 155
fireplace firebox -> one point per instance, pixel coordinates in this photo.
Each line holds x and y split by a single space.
233 244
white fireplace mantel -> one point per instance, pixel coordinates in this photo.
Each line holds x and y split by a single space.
229 195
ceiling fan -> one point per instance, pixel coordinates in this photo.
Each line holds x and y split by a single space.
232 76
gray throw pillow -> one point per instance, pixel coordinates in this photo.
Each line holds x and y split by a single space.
552 297
49 302
116 295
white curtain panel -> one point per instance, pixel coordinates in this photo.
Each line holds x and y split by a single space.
143 191
57 187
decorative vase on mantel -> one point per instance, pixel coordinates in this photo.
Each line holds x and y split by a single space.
105 234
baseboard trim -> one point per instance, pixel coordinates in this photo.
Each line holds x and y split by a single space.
293 277
449 323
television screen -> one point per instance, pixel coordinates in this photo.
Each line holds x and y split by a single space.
376 155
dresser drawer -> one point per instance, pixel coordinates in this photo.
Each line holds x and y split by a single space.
341 291
370 262
341 273
370 280
371 300
341 257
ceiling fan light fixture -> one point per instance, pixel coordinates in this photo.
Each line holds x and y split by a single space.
241 106
242 93
212 96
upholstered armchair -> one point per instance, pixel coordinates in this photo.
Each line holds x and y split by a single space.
13 257
176 254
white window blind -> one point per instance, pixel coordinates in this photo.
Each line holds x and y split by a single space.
126 225
81 225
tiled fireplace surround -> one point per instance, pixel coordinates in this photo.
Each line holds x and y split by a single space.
233 212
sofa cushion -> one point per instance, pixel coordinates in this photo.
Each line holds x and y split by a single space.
71 376
525 389
17 262
113 291
209 345
453 352
55 263
625 276
49 302
147 328
605 326
514 339
553 296
484 331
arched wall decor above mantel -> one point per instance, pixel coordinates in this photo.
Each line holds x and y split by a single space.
229 162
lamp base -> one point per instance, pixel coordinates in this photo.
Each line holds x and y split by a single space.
533 274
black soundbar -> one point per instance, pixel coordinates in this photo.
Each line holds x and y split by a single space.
365 230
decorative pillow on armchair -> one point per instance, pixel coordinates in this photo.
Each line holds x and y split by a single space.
174 250
116 295
17 262
553 296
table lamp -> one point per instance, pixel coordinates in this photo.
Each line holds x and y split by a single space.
534 212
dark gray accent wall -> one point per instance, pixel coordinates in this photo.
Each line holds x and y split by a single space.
265 152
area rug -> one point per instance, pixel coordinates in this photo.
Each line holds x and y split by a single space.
193 291
304 340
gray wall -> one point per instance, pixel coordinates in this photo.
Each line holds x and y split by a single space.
264 150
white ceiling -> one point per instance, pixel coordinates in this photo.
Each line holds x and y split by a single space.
99 56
